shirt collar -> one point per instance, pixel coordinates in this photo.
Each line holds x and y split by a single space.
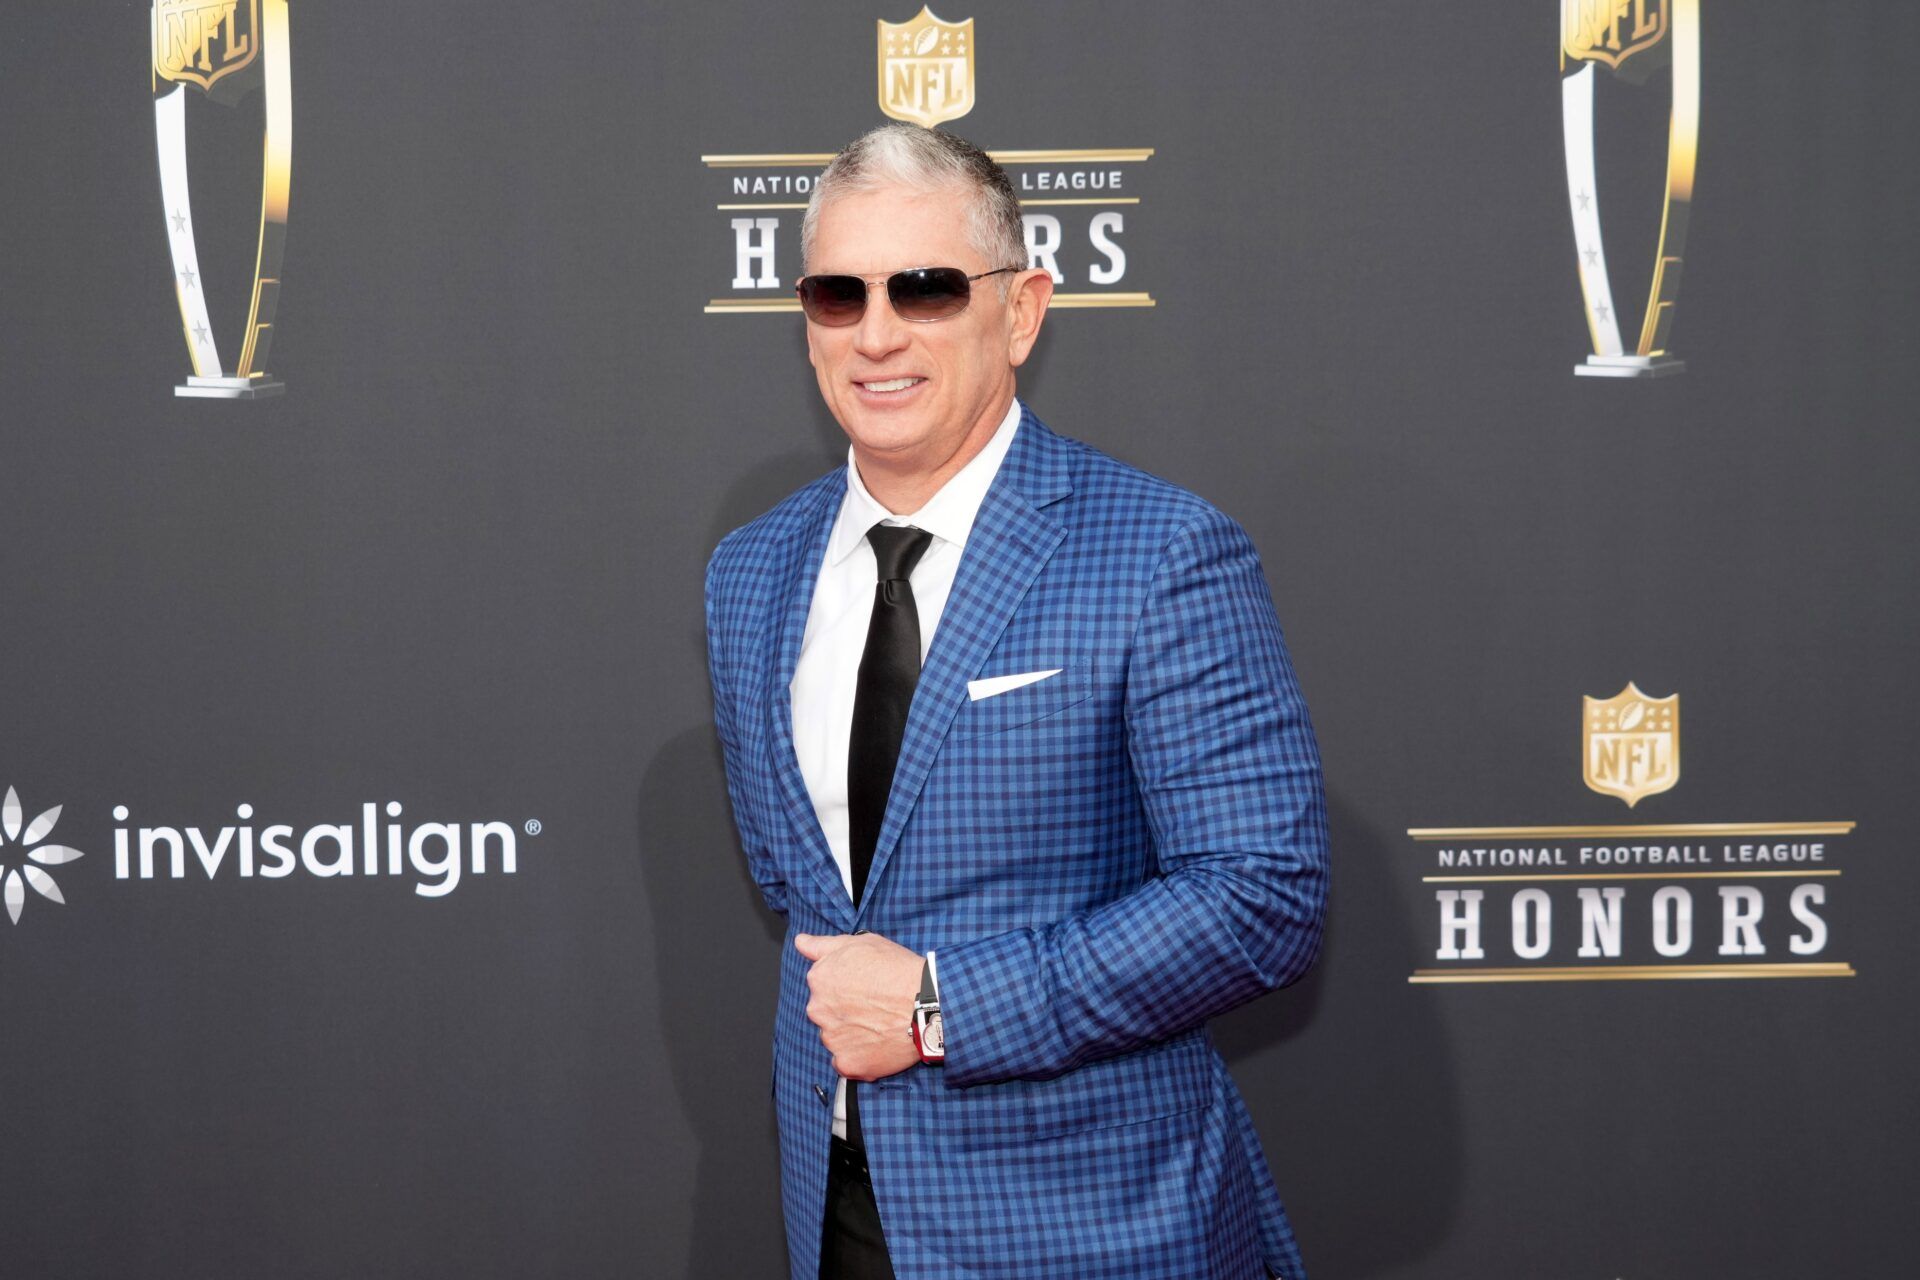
947 515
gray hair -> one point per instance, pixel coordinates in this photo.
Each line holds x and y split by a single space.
926 160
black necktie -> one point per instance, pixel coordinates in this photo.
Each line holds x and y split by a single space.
889 669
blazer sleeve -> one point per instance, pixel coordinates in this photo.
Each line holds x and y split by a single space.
1226 766
760 861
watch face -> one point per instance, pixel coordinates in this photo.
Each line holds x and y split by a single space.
933 1044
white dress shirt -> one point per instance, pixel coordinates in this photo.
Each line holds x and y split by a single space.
829 667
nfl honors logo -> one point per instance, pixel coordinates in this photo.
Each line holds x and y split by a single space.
1631 900
1631 744
200 42
1611 31
926 69
1077 203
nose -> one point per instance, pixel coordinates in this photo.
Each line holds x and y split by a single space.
881 332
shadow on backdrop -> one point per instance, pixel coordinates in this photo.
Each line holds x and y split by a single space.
717 947
1350 1078
717 953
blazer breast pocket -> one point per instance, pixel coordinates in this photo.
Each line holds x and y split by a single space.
1023 705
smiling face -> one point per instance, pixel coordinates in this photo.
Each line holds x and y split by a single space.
917 399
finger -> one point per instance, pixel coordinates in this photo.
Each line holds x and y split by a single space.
817 947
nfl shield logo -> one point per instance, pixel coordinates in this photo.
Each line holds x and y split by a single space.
1631 744
1610 31
926 69
201 42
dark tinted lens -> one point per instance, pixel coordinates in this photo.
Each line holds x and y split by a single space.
833 300
928 293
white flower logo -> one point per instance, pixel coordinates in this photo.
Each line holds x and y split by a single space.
14 849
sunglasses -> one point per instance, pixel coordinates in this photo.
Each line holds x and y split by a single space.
920 294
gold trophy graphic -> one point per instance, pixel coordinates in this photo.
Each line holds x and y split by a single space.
222 50
1630 40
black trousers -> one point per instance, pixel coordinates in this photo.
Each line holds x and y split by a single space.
851 1244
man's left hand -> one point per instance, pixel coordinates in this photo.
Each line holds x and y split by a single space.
863 988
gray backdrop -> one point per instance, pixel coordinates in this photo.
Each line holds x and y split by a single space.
457 567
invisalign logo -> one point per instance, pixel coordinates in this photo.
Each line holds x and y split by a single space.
434 851
21 849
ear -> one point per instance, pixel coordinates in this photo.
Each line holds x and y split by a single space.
1027 308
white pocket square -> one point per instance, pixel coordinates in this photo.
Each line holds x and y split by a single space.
987 688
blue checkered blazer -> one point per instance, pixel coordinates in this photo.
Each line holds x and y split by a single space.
1105 859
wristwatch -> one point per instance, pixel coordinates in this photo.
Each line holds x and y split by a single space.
925 1030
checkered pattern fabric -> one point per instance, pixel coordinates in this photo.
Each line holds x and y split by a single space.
1104 858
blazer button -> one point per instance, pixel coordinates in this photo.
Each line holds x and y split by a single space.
821 1093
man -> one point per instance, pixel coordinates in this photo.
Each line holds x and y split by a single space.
1009 729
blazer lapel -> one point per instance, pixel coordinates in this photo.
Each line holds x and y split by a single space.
800 571
1011 541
